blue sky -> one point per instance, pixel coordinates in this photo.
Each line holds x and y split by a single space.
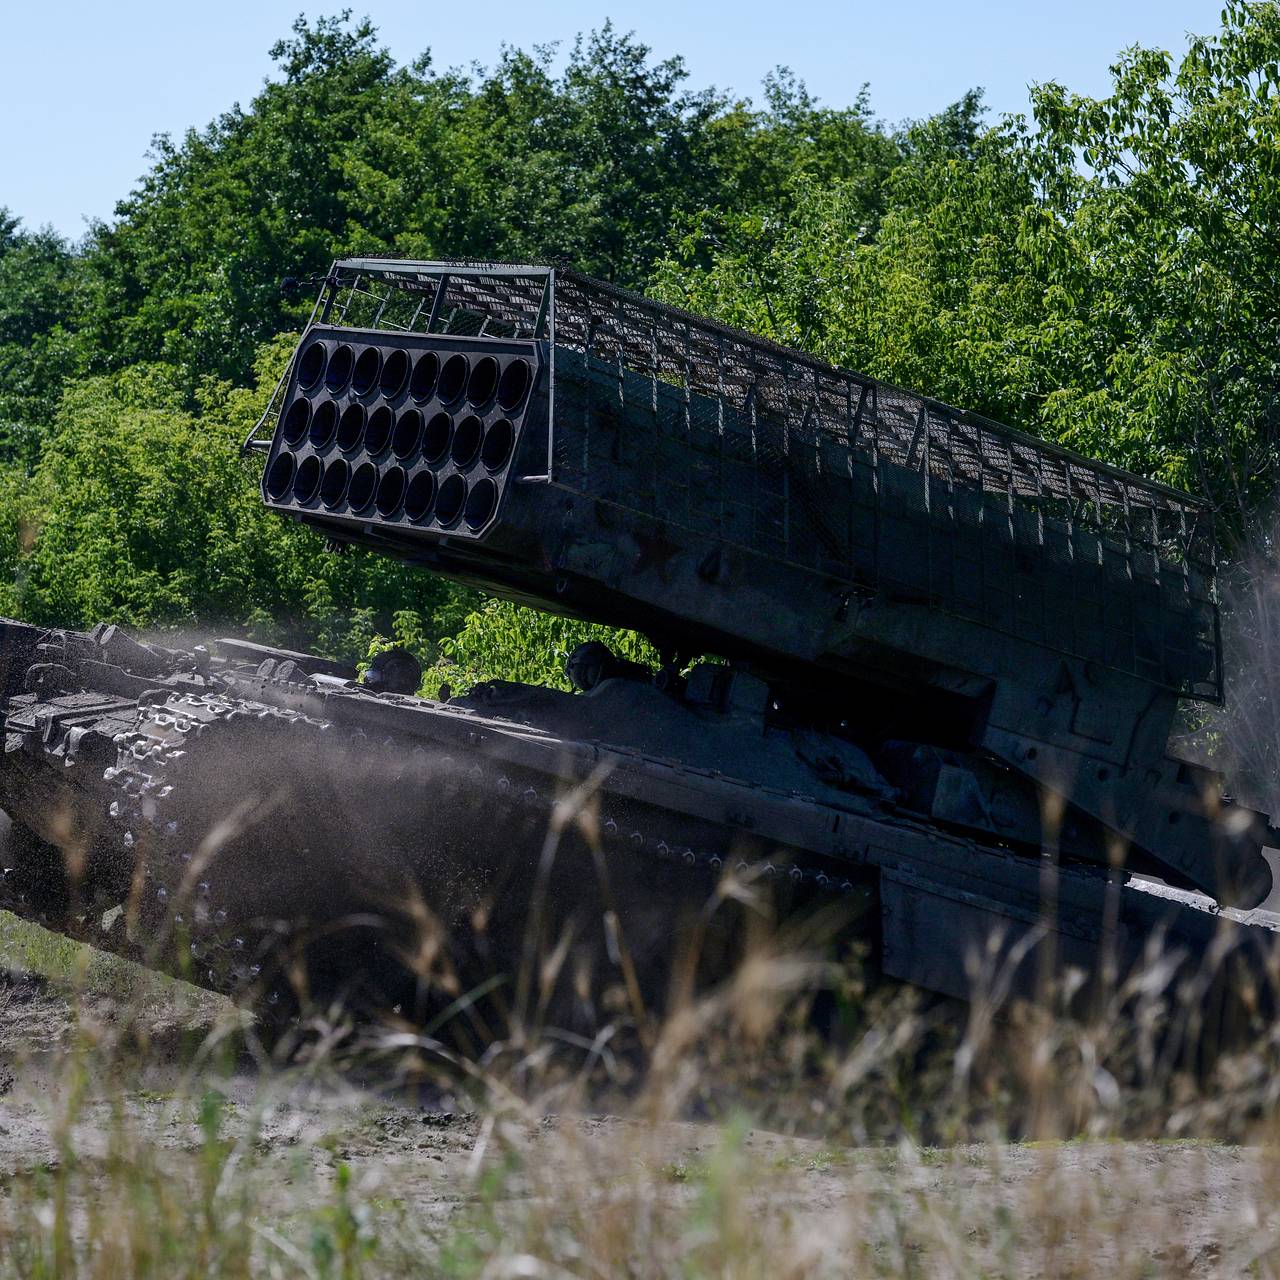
84 86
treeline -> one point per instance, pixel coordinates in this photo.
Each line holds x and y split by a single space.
1102 272
348 153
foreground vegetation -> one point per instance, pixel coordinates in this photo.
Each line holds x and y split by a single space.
914 1138
788 1118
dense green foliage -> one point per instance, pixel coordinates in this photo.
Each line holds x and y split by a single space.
1100 272
39 278
1103 275
140 510
349 153
118 357
520 644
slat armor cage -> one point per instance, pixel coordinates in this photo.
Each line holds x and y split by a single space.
731 437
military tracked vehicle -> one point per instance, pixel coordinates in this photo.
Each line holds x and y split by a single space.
911 661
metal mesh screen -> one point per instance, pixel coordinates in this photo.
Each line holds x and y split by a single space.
387 294
475 299
732 437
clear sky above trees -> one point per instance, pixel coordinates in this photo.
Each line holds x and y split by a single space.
83 93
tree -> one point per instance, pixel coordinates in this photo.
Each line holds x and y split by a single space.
939 293
189 272
1101 275
124 353
1176 230
346 152
140 511
41 280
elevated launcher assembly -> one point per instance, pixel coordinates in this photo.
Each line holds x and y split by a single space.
891 568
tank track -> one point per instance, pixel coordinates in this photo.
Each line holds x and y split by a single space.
220 825
158 894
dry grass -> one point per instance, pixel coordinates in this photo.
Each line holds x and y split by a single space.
917 1138
154 1135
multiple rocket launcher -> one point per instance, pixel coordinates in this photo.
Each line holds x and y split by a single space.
953 658
890 566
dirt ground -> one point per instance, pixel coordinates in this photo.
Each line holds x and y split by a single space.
435 1166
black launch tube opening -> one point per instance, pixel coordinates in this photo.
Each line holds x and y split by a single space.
453 493
420 496
365 376
351 428
466 441
334 484
453 378
311 366
307 482
425 373
404 439
482 502
338 374
516 378
363 484
498 440
280 476
436 442
378 433
296 420
391 491
483 382
323 424
395 372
